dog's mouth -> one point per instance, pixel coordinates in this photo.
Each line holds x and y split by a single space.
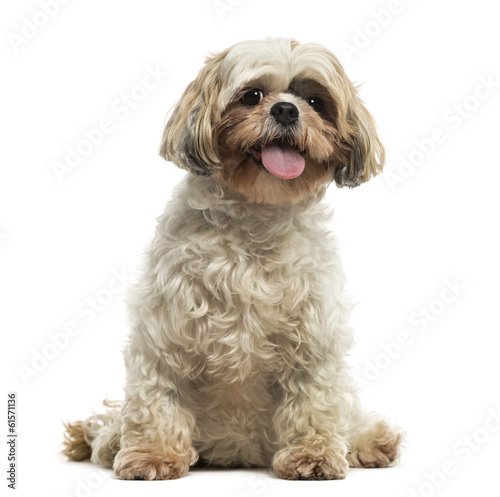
278 158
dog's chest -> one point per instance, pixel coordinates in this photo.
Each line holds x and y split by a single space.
242 292
263 280
255 293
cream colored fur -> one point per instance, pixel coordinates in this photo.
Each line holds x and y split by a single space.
240 329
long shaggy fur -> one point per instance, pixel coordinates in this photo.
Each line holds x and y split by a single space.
240 323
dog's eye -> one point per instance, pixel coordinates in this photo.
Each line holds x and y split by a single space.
253 97
316 103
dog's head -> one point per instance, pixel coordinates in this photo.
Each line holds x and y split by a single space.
275 121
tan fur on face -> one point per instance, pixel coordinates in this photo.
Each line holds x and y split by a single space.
242 127
190 136
242 175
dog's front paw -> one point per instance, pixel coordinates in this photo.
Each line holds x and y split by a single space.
142 463
315 463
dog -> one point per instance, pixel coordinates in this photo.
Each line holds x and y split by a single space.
240 321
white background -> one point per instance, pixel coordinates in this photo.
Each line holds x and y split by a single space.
60 241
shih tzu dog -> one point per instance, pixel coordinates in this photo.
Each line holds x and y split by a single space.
240 325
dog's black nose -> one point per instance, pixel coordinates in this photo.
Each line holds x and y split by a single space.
285 113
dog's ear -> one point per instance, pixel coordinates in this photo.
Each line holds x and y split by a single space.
367 156
187 139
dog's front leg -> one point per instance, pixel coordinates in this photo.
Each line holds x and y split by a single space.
156 429
307 423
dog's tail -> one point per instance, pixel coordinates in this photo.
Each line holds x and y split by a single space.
95 439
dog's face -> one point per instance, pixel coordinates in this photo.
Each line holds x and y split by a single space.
275 121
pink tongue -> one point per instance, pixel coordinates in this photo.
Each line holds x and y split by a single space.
283 160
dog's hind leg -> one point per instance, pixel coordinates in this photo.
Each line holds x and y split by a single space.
372 441
97 438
